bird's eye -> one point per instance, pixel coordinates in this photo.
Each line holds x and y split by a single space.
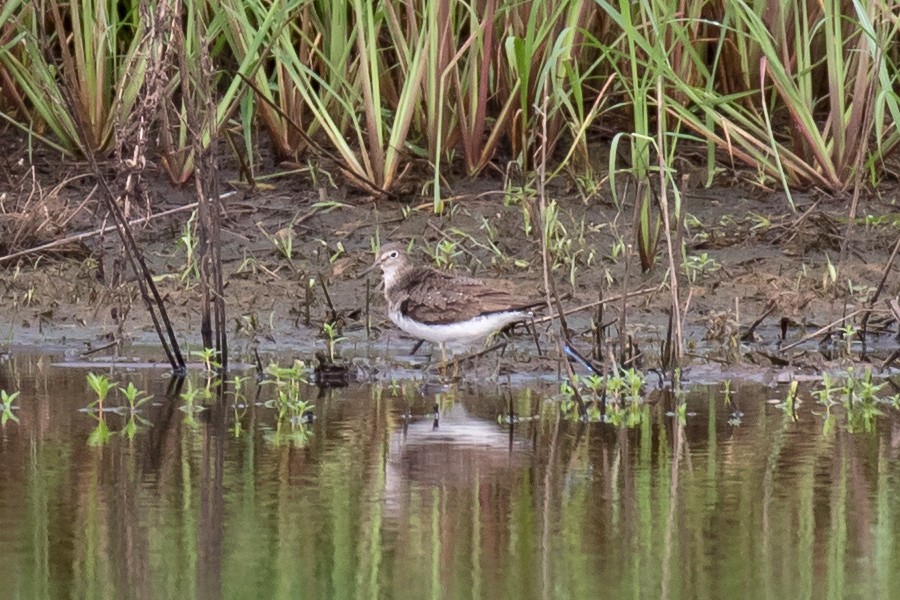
393 254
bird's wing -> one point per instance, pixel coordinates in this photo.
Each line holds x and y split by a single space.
432 297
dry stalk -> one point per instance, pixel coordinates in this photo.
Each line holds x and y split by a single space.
159 20
677 337
884 275
552 296
198 96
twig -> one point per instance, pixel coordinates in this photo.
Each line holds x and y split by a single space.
794 228
552 297
884 275
749 332
597 303
89 234
473 355
677 338
824 328
149 292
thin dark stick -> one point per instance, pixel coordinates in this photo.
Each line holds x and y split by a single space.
596 303
747 334
473 355
201 117
144 278
825 328
100 231
884 275
552 296
332 313
677 336
622 318
368 304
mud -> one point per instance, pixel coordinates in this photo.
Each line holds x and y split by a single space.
751 257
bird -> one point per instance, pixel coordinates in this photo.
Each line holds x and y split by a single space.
443 308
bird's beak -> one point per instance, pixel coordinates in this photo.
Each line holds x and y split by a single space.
371 268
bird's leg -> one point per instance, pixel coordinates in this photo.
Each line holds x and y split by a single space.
443 369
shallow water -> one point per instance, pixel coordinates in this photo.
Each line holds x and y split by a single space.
383 500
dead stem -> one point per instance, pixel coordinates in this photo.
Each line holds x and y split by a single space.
677 336
552 297
884 275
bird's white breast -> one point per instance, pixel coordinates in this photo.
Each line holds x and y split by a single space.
463 332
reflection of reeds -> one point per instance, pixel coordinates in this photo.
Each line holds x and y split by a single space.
384 506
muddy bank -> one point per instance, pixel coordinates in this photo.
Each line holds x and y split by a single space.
751 263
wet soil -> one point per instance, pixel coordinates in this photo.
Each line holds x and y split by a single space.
753 264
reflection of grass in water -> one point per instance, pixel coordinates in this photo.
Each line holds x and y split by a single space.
6 401
590 510
135 398
292 412
622 393
191 396
859 396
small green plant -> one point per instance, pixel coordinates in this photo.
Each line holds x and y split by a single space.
622 391
791 400
617 249
191 407
681 412
239 405
759 221
860 397
284 243
332 338
292 412
829 275
338 252
135 398
445 254
208 356
6 406
848 332
825 394
190 241
699 266
100 434
102 386
727 391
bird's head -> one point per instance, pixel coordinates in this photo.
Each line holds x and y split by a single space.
392 259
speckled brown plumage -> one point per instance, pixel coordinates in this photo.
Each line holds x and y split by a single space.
433 297
442 307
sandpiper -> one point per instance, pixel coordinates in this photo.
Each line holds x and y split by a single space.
442 308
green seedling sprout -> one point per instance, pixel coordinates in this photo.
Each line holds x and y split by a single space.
101 385
207 355
133 396
6 400
332 338
291 410
699 266
445 254
190 407
727 392
135 399
848 332
190 241
829 276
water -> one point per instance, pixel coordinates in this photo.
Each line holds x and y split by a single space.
378 504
